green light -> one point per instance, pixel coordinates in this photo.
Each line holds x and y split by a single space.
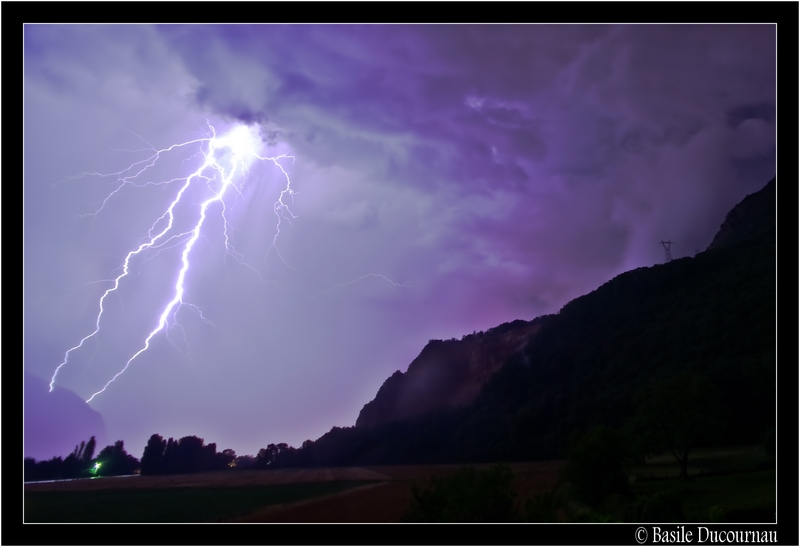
96 468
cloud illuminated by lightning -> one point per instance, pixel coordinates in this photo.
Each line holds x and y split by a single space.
226 157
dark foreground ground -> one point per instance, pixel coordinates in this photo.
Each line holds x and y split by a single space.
387 500
731 484
375 494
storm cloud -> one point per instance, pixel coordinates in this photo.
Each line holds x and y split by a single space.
449 178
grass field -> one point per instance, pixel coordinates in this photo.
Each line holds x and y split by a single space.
180 505
731 484
704 462
736 497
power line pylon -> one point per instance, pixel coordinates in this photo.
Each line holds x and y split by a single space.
667 253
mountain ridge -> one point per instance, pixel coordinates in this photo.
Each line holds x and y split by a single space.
710 316
451 373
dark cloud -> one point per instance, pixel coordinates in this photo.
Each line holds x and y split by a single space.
760 111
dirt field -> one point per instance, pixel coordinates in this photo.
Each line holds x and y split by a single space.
386 501
382 501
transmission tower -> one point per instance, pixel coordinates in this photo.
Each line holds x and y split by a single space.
667 253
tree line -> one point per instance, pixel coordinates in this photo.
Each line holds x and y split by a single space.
81 463
161 456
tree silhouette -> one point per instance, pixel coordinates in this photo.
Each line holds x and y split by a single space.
171 462
71 467
226 459
153 456
679 413
88 451
190 454
266 456
114 460
594 467
469 495
29 470
78 452
245 462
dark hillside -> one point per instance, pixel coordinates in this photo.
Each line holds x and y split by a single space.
713 314
752 219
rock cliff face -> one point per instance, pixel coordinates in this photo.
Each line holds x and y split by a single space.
751 219
446 373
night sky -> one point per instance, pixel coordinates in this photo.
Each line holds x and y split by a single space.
446 179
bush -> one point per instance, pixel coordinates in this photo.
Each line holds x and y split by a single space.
659 507
470 495
594 468
541 508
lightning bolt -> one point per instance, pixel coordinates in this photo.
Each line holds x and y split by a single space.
357 279
239 147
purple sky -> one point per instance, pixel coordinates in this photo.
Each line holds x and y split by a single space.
489 172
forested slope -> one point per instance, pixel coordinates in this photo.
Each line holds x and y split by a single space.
712 315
